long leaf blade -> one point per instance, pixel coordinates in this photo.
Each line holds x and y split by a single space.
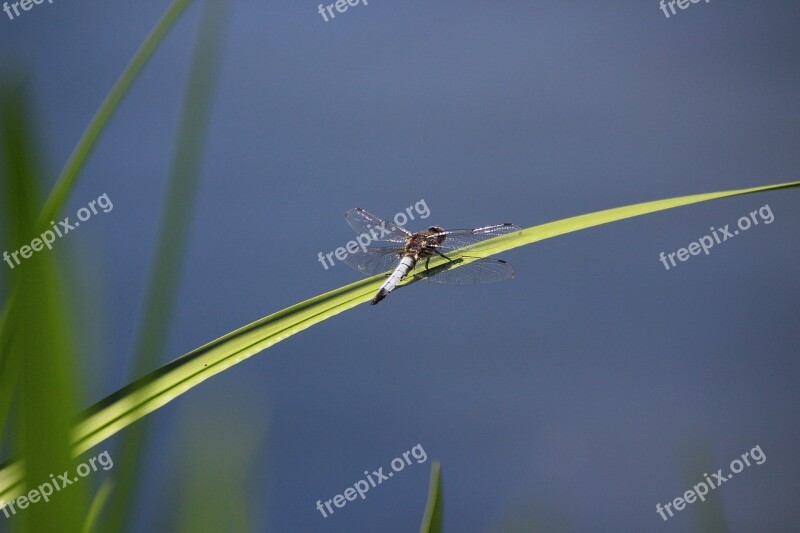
88 140
69 176
165 384
41 353
433 520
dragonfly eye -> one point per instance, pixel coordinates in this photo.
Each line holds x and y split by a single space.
436 229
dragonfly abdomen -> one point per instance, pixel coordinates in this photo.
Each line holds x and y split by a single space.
406 265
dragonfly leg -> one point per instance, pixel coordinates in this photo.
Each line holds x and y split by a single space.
437 252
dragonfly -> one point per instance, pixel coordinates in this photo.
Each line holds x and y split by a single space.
404 252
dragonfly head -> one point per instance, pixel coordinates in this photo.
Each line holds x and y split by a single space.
433 239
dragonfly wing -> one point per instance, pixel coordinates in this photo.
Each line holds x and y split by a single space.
377 229
470 272
375 260
462 238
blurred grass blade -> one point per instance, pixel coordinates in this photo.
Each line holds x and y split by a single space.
96 509
8 372
165 277
696 457
40 351
75 163
89 138
434 511
221 444
165 384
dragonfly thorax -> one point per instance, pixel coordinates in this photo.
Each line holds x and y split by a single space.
424 243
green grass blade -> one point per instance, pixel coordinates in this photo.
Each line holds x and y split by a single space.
8 372
165 277
568 225
165 384
696 456
75 163
41 350
434 510
98 503
219 457
101 117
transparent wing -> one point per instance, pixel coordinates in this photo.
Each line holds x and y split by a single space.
471 271
376 260
461 238
365 223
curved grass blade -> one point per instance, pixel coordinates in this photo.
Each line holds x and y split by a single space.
568 225
77 160
434 510
89 138
96 509
165 384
